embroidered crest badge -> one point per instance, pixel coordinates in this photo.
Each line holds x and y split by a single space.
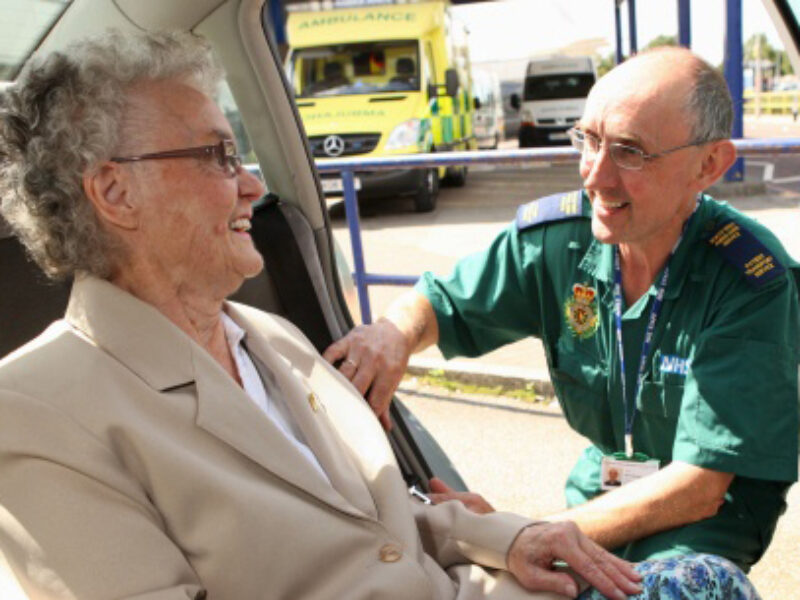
581 311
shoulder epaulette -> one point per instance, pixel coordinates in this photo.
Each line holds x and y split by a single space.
745 252
549 209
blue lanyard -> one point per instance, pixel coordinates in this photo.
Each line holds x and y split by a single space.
655 310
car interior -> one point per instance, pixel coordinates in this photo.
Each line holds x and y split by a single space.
290 226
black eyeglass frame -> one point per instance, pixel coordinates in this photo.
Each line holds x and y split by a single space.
578 137
224 152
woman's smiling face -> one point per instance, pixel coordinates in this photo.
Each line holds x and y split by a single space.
195 216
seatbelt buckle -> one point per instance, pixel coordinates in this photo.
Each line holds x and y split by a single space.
415 492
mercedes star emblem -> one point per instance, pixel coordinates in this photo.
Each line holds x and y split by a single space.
333 145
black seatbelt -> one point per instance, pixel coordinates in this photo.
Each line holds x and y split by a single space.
284 262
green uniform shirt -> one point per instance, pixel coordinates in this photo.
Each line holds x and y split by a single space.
720 389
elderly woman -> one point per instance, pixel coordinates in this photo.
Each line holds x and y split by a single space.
161 442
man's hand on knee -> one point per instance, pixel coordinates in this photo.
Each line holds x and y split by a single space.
532 557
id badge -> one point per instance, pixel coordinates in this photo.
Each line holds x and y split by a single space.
616 470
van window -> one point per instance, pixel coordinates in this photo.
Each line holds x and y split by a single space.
558 87
363 68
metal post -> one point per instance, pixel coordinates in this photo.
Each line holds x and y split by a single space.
684 24
618 30
278 19
354 224
632 26
734 76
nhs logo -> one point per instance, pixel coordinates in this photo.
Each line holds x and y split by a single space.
675 364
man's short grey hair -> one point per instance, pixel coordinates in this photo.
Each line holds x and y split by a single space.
709 104
61 118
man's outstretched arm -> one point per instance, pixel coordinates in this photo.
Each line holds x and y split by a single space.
533 552
678 494
374 357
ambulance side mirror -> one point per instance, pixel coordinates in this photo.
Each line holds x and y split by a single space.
433 91
451 82
514 101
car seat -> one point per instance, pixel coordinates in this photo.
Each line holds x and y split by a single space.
285 239
29 301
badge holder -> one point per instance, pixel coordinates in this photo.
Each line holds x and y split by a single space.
617 469
623 467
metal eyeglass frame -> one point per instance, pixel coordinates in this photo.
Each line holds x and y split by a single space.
578 139
224 152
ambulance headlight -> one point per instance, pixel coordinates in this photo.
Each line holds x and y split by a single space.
404 135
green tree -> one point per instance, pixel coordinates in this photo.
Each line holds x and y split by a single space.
604 64
608 62
784 64
758 46
662 40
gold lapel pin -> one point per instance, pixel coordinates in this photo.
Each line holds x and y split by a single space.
313 401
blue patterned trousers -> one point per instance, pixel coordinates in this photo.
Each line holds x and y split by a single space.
690 577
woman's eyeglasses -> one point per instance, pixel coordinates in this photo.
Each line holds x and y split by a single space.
224 152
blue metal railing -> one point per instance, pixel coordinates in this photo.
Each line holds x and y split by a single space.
348 166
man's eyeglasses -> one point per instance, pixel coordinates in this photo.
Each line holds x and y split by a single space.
625 156
224 153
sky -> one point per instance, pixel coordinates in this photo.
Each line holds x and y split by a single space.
507 29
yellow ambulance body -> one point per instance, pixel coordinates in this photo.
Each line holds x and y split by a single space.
383 80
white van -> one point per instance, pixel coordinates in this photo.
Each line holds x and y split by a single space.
554 96
488 121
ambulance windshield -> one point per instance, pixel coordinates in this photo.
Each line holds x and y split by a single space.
363 68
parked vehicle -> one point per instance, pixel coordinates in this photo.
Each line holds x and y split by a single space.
554 96
488 119
383 80
511 116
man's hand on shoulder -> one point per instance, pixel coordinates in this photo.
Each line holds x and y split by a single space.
533 553
374 358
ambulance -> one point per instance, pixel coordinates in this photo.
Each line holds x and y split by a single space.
383 80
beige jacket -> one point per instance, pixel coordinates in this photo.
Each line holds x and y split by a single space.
133 466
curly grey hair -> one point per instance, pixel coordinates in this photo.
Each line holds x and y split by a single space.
61 118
